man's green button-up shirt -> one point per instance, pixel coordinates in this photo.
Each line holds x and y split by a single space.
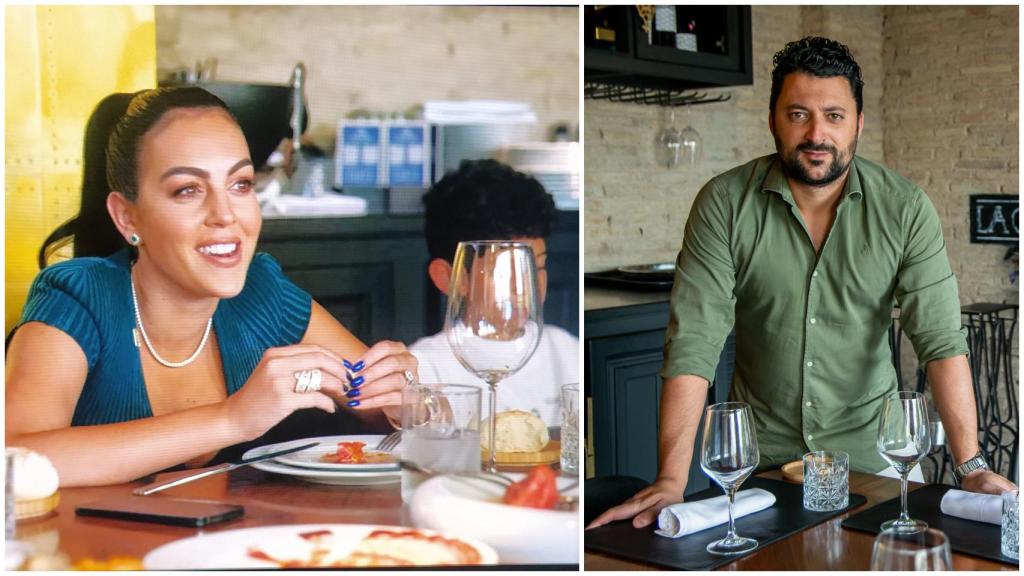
812 350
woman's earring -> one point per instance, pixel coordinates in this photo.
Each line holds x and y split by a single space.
134 239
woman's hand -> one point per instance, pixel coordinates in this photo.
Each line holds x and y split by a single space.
269 395
378 378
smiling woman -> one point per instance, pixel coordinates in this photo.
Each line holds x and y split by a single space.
167 338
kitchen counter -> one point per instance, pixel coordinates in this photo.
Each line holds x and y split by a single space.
623 349
599 298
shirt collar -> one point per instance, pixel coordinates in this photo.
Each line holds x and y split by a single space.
776 182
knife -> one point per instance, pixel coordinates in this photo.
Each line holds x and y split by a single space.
210 471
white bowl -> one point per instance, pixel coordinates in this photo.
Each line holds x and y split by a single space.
471 507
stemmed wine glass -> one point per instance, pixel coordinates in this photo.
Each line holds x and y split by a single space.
667 143
494 318
689 142
728 455
903 440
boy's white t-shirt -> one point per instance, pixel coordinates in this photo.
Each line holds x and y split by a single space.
534 388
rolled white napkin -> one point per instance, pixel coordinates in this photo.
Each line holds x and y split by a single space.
688 517
972 506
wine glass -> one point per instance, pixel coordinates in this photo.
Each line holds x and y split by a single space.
926 549
667 143
728 455
494 318
904 438
689 142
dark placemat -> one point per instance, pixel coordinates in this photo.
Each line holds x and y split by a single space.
616 279
786 517
965 536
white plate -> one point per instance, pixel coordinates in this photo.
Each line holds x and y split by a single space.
310 458
230 549
520 535
321 476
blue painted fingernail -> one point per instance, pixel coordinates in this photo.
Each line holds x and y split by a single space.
353 393
359 366
357 382
346 363
353 403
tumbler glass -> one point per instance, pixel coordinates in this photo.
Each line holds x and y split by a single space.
1010 532
826 480
570 435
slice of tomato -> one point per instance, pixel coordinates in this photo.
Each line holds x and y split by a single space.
351 452
537 490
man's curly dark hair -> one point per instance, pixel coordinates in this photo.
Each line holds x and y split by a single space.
821 57
484 200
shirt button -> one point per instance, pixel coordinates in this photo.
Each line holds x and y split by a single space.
810 364
814 320
814 274
807 404
810 436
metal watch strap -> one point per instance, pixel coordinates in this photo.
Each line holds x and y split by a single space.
976 462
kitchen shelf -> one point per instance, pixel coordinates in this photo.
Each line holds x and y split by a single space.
725 59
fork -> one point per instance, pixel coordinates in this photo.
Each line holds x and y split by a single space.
389 442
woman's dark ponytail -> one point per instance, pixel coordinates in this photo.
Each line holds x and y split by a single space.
113 139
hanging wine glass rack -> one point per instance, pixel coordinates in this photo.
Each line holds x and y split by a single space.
651 96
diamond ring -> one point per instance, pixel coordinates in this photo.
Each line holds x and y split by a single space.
307 380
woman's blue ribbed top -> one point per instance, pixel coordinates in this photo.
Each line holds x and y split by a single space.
90 299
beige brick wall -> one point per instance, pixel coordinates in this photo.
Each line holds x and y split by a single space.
950 115
387 58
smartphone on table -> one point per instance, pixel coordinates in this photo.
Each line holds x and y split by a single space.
173 511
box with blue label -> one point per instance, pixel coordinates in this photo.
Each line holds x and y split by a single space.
408 154
358 156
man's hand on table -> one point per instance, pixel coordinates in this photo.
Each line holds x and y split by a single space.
643 506
986 482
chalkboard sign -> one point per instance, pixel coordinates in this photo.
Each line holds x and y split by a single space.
995 219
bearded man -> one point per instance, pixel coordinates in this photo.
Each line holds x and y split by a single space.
806 252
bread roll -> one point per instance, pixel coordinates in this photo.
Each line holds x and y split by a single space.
35 483
518 431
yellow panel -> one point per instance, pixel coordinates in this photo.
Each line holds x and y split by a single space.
60 62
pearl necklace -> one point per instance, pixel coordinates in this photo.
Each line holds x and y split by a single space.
149 345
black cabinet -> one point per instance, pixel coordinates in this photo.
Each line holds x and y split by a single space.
618 51
623 354
371 272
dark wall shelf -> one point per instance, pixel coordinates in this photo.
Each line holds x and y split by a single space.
632 61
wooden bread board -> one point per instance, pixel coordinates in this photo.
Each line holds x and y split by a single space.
550 454
794 471
34 508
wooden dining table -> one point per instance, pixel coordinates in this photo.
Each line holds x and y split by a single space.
269 499
825 546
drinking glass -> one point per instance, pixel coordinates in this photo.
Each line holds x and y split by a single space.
826 480
570 435
668 144
926 549
728 455
10 515
903 440
689 143
1010 530
494 318
440 430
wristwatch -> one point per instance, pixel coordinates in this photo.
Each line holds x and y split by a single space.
976 462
